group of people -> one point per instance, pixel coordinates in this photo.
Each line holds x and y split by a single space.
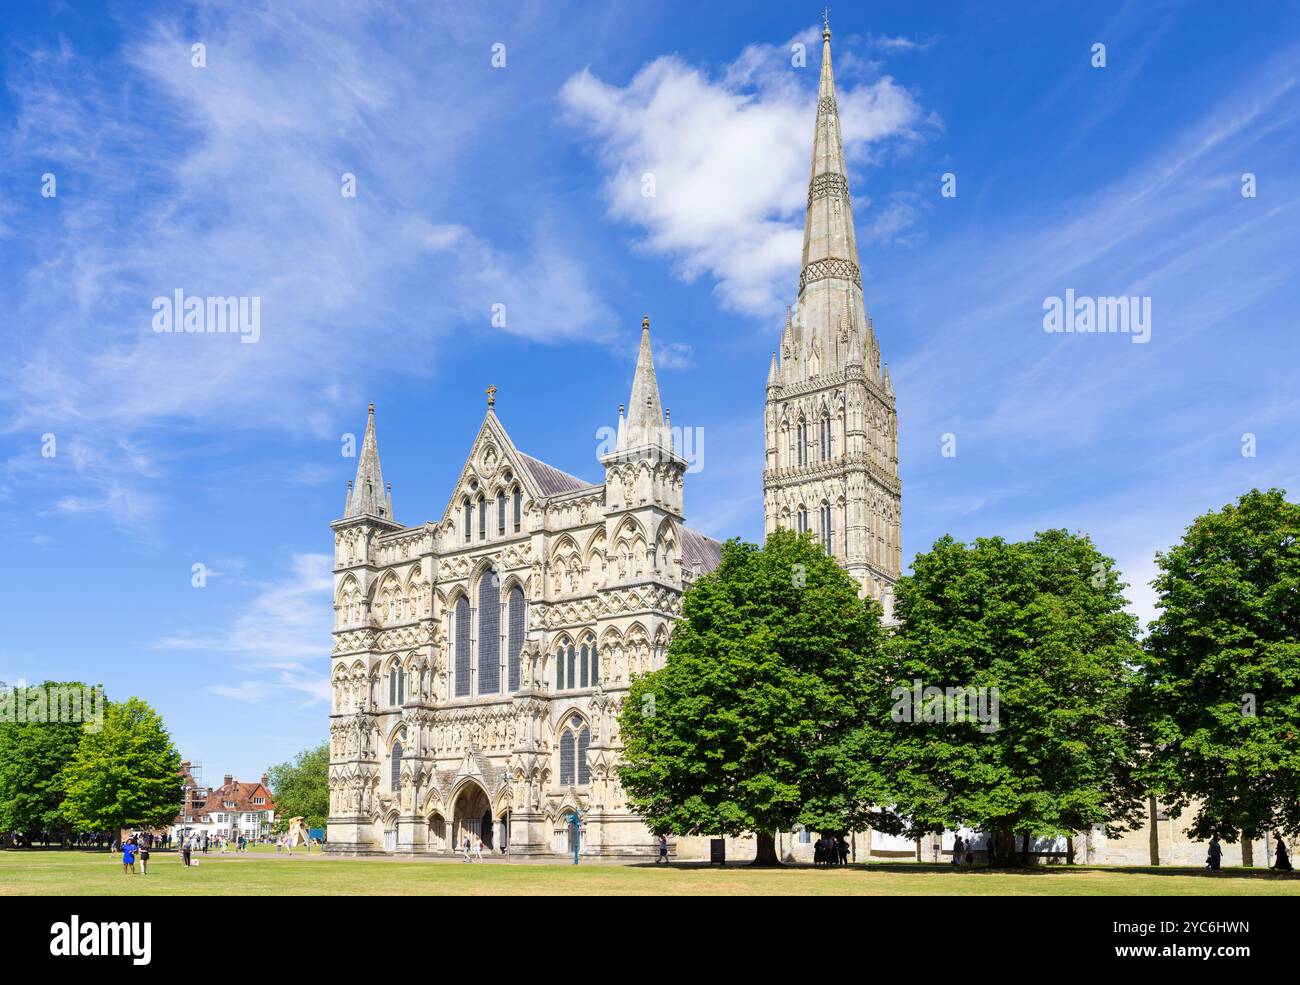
133 851
963 850
476 845
831 851
1282 859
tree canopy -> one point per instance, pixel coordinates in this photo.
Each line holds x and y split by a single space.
1221 670
33 754
125 774
1041 624
747 727
301 788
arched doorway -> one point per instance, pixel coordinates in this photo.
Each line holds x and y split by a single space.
472 814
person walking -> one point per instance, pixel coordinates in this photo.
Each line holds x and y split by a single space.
663 850
1283 863
185 852
842 848
957 850
478 850
467 858
1215 857
144 861
128 859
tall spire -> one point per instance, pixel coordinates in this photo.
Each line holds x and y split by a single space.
368 496
645 417
830 280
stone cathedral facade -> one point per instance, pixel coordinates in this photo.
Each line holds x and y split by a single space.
480 660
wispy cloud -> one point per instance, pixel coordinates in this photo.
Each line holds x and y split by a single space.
227 180
278 638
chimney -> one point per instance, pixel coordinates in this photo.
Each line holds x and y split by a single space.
266 781
229 779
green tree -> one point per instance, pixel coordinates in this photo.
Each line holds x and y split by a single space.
33 754
125 774
1221 671
301 788
1042 622
768 675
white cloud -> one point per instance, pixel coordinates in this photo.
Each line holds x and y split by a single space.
715 171
674 355
279 636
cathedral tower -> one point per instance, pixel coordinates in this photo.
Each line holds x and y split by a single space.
831 424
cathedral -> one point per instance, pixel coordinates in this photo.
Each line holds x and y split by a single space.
480 659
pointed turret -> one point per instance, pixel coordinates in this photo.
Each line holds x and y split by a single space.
368 496
645 417
773 374
830 281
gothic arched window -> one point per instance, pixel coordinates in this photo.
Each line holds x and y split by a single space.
501 513
803 519
396 686
582 672
559 668
515 640
489 634
519 507
825 437
469 513
826 527
801 442
572 675
574 742
482 518
397 767
568 753
462 647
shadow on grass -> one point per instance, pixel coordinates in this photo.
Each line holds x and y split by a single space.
1029 872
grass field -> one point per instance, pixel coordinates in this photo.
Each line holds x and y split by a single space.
78 873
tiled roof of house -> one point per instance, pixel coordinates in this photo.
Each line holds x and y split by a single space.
232 797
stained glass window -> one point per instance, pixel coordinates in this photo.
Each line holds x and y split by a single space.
462 647
515 645
489 635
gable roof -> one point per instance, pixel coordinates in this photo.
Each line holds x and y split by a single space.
700 549
550 480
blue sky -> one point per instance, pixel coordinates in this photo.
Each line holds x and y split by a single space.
521 185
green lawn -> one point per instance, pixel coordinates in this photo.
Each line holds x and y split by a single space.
98 873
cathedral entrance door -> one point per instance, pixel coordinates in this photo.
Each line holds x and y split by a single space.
469 812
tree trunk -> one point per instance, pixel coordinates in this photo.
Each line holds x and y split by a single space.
1024 850
1247 851
766 850
1155 831
1069 850
1004 848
